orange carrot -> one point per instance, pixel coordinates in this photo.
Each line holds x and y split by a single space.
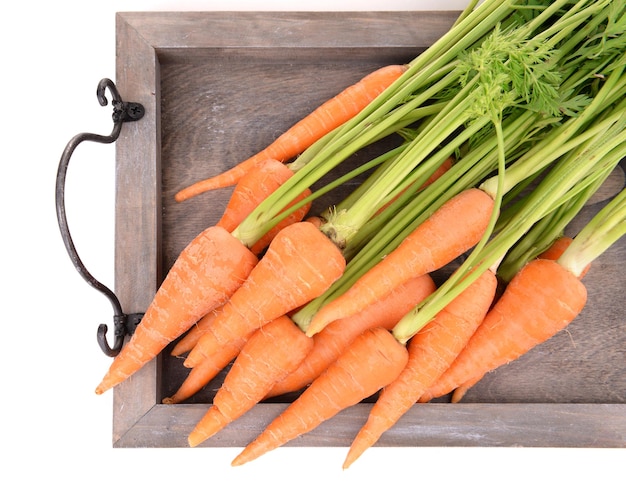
191 337
253 188
202 374
337 336
431 351
553 252
300 264
372 361
453 229
273 351
557 248
193 287
462 389
330 115
294 217
541 299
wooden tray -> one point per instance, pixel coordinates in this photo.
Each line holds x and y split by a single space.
219 86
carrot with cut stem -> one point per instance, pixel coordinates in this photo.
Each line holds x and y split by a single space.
372 361
330 115
553 252
205 274
273 351
556 250
431 351
337 336
300 264
541 300
432 245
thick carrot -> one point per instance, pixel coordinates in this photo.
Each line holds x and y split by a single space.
205 274
372 361
553 252
337 336
541 300
300 264
330 115
454 228
273 351
556 250
431 351
203 373
191 337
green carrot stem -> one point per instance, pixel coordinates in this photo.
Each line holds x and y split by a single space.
548 229
543 200
604 229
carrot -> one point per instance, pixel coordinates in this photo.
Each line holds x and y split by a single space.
294 217
554 251
462 389
203 373
273 351
330 115
300 264
431 351
337 336
372 361
454 228
208 270
191 337
541 299
253 188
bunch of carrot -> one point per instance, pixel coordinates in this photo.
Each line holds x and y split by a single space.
527 98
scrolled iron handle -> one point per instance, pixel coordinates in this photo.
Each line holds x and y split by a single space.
122 112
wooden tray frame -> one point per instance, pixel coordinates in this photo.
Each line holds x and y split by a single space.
144 40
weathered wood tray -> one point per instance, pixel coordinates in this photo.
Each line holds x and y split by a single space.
219 86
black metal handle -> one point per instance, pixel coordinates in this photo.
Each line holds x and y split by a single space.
122 112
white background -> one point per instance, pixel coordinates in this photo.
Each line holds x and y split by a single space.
55 430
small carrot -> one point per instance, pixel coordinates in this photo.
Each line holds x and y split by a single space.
330 115
453 229
431 351
372 361
273 351
300 264
541 299
203 373
462 389
337 336
192 287
186 344
251 189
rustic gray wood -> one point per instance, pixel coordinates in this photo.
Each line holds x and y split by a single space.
218 87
